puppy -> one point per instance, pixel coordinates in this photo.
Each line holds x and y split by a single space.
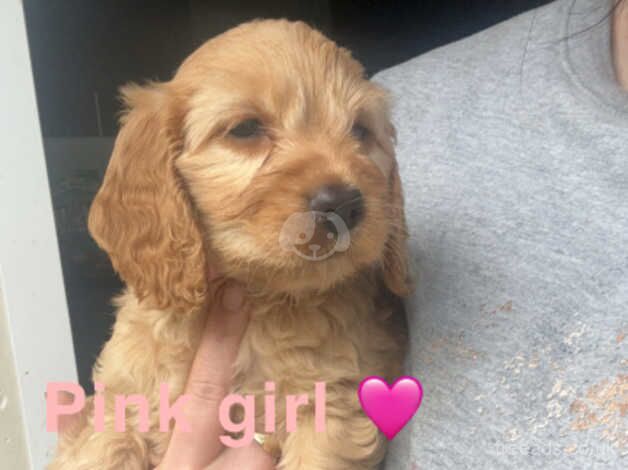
268 157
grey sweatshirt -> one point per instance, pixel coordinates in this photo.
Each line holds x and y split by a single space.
513 149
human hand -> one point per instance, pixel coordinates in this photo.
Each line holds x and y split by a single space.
208 384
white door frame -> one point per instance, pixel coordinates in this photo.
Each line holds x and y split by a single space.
33 308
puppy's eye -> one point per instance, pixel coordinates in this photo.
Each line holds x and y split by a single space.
247 129
360 132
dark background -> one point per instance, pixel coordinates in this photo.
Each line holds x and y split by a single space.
83 50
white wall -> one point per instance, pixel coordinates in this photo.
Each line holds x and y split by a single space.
13 452
32 285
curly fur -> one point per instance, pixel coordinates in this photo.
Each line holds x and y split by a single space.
180 195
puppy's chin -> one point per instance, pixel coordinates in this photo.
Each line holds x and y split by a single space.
291 272
301 277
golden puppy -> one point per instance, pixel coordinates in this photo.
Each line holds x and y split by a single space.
265 134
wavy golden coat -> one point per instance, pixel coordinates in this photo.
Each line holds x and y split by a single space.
181 193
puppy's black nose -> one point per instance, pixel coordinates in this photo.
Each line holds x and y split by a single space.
345 201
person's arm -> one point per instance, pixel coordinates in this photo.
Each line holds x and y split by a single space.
620 42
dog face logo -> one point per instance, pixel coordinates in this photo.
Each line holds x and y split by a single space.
314 235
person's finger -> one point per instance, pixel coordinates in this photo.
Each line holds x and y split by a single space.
68 424
252 457
208 383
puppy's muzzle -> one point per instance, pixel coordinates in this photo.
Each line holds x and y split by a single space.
344 201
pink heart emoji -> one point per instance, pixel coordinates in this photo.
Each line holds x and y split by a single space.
390 408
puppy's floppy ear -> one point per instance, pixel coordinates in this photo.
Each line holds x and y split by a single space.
395 266
396 271
142 216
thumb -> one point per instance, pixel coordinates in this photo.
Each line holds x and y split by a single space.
70 424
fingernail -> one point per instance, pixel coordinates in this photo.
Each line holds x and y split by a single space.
233 297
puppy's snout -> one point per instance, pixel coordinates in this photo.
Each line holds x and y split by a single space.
345 201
